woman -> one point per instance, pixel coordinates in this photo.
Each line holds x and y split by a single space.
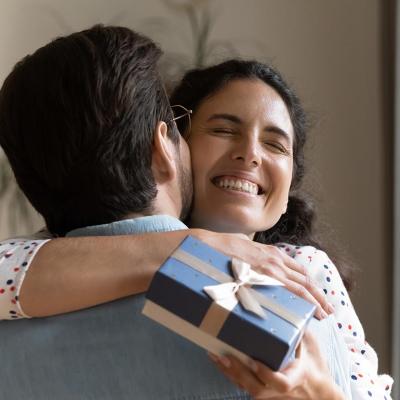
252 129
262 190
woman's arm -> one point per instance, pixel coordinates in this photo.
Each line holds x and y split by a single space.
365 381
69 274
16 256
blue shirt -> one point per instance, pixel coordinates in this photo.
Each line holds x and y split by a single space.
108 352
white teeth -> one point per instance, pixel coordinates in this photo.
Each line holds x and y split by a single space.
237 184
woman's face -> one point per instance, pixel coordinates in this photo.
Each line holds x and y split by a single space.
241 145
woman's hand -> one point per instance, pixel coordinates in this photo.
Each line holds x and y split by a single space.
272 262
306 378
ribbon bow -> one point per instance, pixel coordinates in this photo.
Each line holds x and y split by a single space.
229 294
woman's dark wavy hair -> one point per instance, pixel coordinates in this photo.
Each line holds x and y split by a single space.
296 226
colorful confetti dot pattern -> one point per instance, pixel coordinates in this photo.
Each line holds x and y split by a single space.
15 258
365 381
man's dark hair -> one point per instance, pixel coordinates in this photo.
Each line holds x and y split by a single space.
77 119
296 226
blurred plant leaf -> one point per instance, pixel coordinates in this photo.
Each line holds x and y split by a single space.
201 17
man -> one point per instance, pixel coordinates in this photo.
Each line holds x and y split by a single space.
90 135
96 126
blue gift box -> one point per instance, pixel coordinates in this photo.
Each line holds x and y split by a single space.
176 299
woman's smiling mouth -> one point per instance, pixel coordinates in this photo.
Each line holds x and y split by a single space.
237 184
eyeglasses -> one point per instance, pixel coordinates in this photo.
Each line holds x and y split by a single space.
181 112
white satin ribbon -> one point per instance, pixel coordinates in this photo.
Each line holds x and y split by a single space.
237 291
230 302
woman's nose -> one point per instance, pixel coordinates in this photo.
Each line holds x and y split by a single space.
248 152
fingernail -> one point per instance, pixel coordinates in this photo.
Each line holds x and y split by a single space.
226 362
253 366
324 314
213 357
331 308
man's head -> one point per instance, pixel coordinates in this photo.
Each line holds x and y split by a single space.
87 127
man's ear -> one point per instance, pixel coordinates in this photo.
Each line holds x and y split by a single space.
164 155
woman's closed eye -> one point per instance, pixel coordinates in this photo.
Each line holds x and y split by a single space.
222 131
278 147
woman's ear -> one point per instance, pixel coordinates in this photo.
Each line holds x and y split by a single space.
164 155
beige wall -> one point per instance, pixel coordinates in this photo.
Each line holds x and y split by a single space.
331 51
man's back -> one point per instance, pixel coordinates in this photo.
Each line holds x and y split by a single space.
107 352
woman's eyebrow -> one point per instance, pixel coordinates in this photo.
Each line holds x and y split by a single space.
228 117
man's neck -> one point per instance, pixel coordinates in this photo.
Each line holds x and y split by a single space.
148 214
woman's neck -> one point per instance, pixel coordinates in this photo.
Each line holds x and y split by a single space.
191 223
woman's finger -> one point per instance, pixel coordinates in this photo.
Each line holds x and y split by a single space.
284 268
242 376
310 295
300 286
272 262
305 281
275 379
